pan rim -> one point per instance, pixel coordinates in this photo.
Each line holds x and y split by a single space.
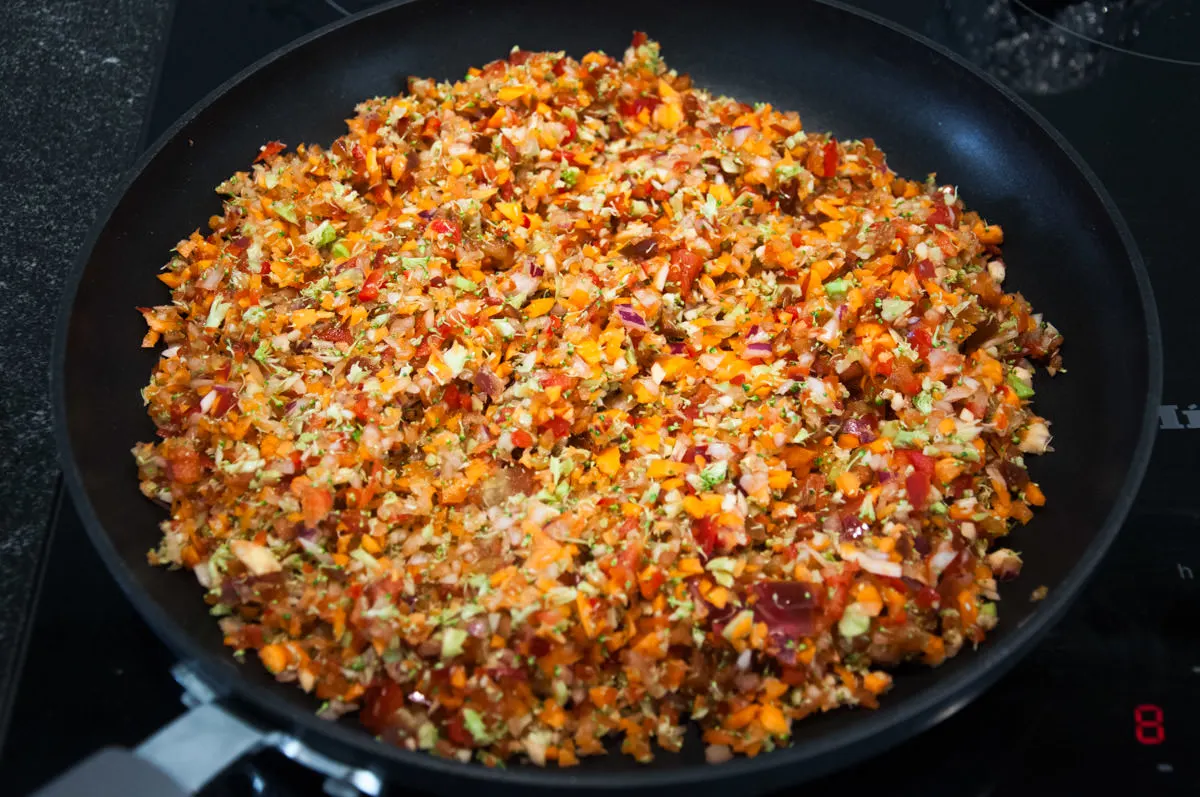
873 734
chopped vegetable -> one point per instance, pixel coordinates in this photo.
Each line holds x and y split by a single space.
569 400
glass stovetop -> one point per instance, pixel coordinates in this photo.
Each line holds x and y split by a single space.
1108 703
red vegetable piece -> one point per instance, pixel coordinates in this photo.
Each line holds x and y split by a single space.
269 150
380 704
685 267
704 531
369 291
917 484
559 427
830 154
446 227
919 339
941 214
789 608
456 729
453 398
927 598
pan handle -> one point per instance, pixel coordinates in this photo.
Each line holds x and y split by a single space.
182 757
175 762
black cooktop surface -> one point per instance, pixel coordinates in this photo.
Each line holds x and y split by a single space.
1109 702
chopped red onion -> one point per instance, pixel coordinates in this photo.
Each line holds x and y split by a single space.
487 382
740 134
631 318
754 350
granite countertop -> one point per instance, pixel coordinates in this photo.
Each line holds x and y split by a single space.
76 78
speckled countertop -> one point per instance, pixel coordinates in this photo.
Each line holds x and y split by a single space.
75 80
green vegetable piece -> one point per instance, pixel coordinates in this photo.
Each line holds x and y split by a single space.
854 622
323 235
1024 390
474 724
452 642
285 210
891 309
837 288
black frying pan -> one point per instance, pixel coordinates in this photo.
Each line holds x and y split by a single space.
1068 251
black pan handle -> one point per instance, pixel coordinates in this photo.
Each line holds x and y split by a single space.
175 762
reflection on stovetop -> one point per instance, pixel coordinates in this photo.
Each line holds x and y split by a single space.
1107 703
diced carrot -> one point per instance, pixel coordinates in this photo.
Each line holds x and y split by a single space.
539 307
935 650
877 682
742 718
773 721
609 462
947 469
1034 494
848 482
274 658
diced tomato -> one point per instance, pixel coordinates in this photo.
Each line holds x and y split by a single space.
225 402
941 214
456 729
453 398
704 531
922 463
651 584
442 226
522 438
919 339
917 484
927 598
556 379
925 269
380 704
685 267
269 150
636 106
839 584
830 155
572 129
639 38
369 291
559 427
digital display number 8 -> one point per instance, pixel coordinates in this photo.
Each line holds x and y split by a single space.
1148 724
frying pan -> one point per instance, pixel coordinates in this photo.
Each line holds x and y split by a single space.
1068 251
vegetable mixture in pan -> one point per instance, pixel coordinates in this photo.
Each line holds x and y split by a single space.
567 402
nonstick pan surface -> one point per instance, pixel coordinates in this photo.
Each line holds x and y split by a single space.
1067 250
